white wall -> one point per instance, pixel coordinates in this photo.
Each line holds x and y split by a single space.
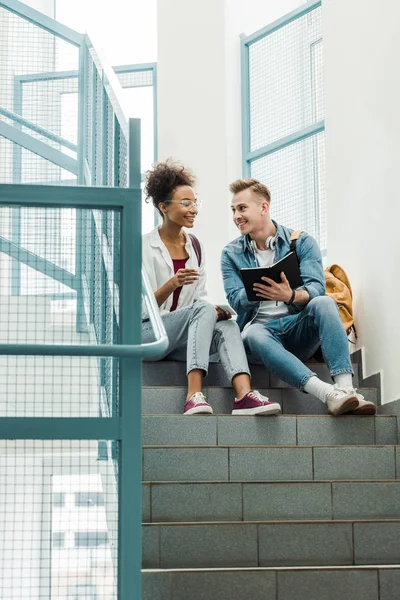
362 45
191 111
199 103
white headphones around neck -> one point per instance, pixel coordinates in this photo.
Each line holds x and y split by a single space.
269 244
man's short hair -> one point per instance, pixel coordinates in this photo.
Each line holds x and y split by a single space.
251 184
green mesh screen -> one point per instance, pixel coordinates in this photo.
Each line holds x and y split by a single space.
295 176
286 95
59 248
58 521
130 79
285 74
29 52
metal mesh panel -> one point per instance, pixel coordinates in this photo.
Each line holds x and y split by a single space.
123 162
285 74
58 521
109 230
97 286
57 386
27 52
89 115
295 176
110 144
88 228
108 338
50 233
22 166
136 79
42 104
99 141
286 95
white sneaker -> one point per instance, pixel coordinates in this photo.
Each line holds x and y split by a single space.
365 407
341 400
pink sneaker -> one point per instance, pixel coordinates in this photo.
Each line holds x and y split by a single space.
197 405
253 403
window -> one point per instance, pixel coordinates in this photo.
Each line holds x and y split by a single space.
58 539
284 138
90 539
89 499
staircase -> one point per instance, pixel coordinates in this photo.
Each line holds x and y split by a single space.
303 506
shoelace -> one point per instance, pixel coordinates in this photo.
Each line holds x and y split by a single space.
259 397
255 394
197 398
338 392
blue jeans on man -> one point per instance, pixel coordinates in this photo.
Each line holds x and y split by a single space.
283 344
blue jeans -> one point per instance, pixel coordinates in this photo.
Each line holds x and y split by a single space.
195 330
283 344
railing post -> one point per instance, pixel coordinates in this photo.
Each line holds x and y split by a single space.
130 452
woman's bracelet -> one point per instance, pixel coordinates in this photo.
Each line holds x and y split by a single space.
291 298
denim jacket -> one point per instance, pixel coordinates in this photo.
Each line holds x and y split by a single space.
239 254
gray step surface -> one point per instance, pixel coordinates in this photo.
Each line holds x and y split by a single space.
280 501
317 430
269 544
241 464
347 583
170 400
173 373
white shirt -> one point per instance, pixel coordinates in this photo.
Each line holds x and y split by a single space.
269 309
159 268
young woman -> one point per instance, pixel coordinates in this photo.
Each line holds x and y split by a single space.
174 262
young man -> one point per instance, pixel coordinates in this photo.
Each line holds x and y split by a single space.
286 327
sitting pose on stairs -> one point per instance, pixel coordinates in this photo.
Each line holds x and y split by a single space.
287 326
174 263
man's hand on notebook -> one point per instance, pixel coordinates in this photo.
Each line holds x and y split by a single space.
279 292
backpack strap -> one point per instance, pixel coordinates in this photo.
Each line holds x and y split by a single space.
196 247
293 239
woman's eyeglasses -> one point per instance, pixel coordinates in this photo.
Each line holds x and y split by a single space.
186 203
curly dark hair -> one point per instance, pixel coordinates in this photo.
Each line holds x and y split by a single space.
163 179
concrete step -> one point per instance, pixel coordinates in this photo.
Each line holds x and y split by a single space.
173 373
269 544
252 464
280 501
170 400
319 583
316 430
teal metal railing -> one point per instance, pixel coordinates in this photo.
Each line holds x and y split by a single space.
283 117
83 243
103 149
122 424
